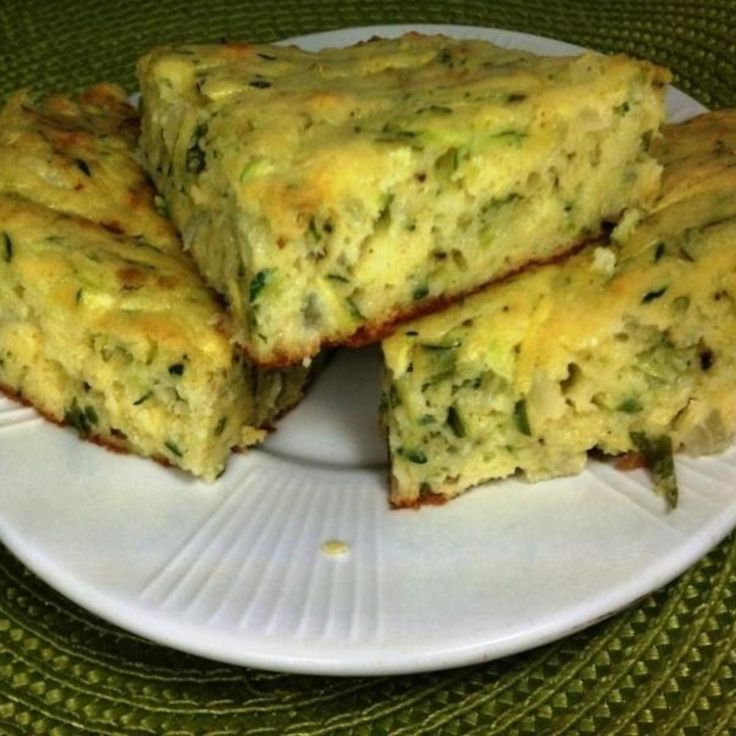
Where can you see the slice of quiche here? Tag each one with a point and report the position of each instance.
(110, 329)
(627, 347)
(330, 195)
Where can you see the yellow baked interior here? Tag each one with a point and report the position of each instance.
(625, 347)
(330, 195)
(76, 156)
(110, 329)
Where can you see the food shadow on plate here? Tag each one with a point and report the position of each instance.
(337, 423)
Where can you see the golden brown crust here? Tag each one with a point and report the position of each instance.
(415, 504)
(372, 333)
(101, 442)
(76, 155)
(630, 461)
(425, 498)
(109, 444)
(116, 115)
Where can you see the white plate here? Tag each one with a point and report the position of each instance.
(235, 571)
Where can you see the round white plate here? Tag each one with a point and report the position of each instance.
(236, 571)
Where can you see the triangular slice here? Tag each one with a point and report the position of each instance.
(76, 157)
(331, 195)
(111, 329)
(626, 348)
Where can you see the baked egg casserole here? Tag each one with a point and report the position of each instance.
(628, 347)
(330, 195)
(111, 330)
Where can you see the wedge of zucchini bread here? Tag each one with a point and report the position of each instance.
(629, 347)
(75, 156)
(330, 195)
(115, 333)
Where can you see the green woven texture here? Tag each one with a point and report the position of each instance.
(664, 666)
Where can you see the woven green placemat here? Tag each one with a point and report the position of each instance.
(665, 666)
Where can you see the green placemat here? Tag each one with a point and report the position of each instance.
(665, 666)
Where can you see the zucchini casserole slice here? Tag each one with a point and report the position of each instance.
(330, 195)
(76, 156)
(115, 333)
(627, 348)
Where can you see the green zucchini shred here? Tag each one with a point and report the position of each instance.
(173, 448)
(83, 166)
(258, 282)
(435, 109)
(434, 346)
(420, 292)
(414, 456)
(7, 248)
(496, 203)
(75, 417)
(195, 157)
(630, 405)
(313, 230)
(143, 398)
(455, 422)
(521, 419)
(354, 310)
(514, 137)
(657, 454)
(650, 296)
